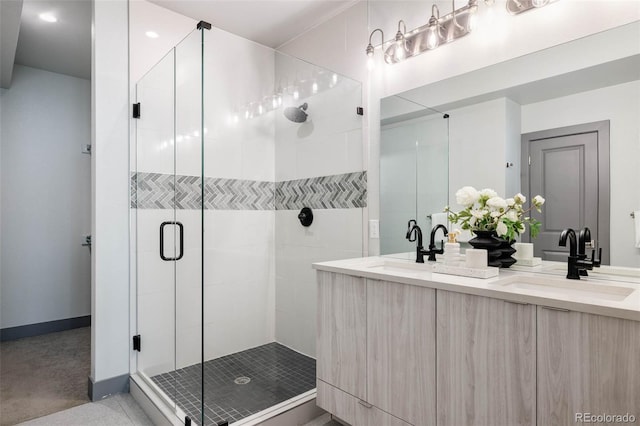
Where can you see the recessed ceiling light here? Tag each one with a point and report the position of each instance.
(48, 17)
(152, 34)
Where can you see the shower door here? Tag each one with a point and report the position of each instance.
(166, 184)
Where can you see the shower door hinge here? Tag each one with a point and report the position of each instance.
(136, 342)
(203, 24)
(359, 110)
(136, 110)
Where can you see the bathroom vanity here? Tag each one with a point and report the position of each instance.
(400, 345)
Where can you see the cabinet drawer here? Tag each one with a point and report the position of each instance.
(351, 409)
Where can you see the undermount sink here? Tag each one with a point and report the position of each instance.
(566, 288)
(402, 267)
(618, 271)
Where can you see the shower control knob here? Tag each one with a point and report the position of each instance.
(305, 216)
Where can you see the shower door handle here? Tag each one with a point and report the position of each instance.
(181, 236)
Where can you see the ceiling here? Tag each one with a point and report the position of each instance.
(65, 46)
(268, 22)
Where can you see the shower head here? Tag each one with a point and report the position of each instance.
(296, 114)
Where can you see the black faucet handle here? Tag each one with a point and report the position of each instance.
(410, 228)
(596, 261)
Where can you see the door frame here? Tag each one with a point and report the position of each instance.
(602, 129)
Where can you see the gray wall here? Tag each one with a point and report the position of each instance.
(45, 272)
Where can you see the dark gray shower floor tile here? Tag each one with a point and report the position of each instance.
(276, 374)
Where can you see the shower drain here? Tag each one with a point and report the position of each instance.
(242, 380)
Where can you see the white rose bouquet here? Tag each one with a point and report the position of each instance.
(485, 211)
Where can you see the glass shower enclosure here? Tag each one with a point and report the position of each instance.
(232, 140)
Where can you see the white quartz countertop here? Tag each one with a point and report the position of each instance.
(608, 297)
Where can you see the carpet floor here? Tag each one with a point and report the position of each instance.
(44, 374)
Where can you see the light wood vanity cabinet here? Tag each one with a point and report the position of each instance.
(372, 367)
(586, 364)
(401, 351)
(486, 361)
(342, 332)
(392, 354)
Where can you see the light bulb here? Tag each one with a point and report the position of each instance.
(334, 78)
(433, 39)
(314, 87)
(433, 32)
(274, 102)
(260, 109)
(296, 94)
(539, 3)
(246, 114)
(370, 63)
(399, 53)
(472, 23)
(48, 17)
(370, 50)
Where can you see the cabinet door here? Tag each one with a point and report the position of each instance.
(401, 351)
(341, 332)
(586, 364)
(353, 410)
(486, 360)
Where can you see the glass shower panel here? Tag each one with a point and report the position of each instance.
(155, 211)
(168, 182)
(188, 167)
(432, 166)
(414, 171)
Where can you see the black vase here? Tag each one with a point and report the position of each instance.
(506, 250)
(487, 240)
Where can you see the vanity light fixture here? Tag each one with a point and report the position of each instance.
(516, 7)
(370, 49)
(439, 30)
(399, 50)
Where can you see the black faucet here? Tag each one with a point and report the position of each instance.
(577, 261)
(583, 238)
(414, 232)
(432, 244)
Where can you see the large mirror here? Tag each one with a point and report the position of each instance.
(495, 114)
(414, 158)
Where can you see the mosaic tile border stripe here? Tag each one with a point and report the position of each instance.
(156, 191)
(325, 192)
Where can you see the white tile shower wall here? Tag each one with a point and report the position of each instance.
(154, 130)
(155, 295)
(334, 234)
(321, 146)
(329, 142)
(237, 72)
(239, 285)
